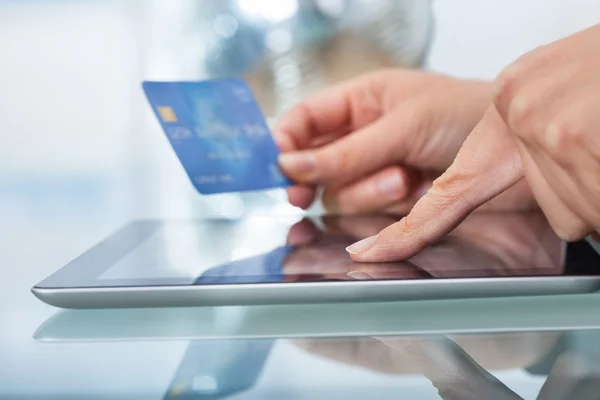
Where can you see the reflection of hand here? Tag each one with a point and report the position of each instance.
(483, 245)
(543, 125)
(377, 142)
(572, 377)
(322, 252)
(496, 244)
(453, 367)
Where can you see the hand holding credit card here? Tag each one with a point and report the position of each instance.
(219, 134)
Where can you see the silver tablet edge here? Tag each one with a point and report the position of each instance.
(312, 292)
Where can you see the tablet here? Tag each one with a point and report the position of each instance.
(271, 260)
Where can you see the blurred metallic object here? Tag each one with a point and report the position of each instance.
(401, 28)
(286, 49)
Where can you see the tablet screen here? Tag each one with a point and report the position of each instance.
(267, 250)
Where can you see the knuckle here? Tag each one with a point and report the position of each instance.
(450, 183)
(521, 110)
(562, 135)
(451, 191)
(506, 84)
(534, 57)
(538, 57)
(511, 79)
(297, 121)
(406, 229)
(298, 112)
(302, 114)
(508, 78)
(381, 76)
(365, 104)
(395, 233)
(401, 228)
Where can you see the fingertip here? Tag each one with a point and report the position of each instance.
(394, 184)
(283, 141)
(301, 196)
(362, 246)
(395, 242)
(362, 257)
(371, 193)
(300, 166)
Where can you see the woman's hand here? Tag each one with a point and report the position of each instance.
(376, 143)
(544, 125)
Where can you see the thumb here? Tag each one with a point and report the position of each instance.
(487, 164)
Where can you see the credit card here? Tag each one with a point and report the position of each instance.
(218, 133)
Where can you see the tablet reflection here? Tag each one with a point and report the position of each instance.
(484, 245)
(458, 367)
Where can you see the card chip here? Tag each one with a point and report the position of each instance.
(167, 114)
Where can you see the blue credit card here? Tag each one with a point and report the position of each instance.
(219, 134)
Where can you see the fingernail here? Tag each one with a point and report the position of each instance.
(391, 185)
(298, 163)
(362, 246)
(359, 276)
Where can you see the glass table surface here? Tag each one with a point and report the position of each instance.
(536, 348)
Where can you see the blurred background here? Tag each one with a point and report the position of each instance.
(78, 141)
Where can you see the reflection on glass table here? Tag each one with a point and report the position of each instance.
(349, 320)
(573, 370)
(553, 366)
(219, 369)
